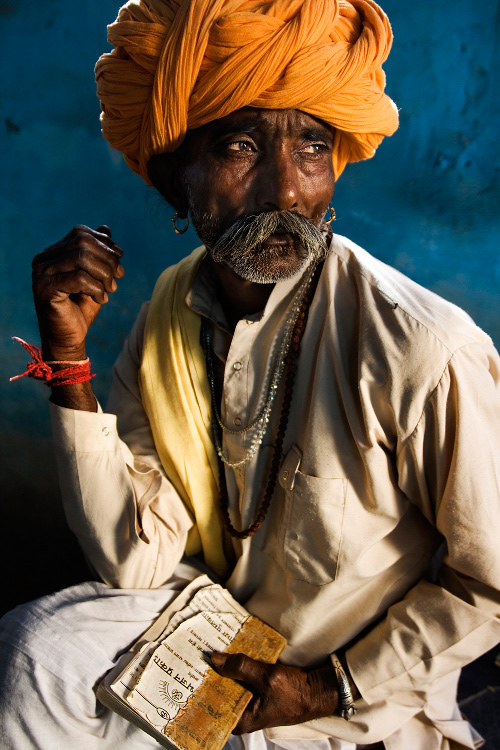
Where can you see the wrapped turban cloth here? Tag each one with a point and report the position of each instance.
(179, 64)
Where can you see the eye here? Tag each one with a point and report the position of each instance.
(315, 148)
(240, 146)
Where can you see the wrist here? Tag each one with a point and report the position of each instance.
(79, 397)
(324, 690)
(69, 379)
(59, 355)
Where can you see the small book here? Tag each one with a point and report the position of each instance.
(165, 685)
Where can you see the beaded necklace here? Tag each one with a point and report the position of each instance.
(261, 421)
(285, 362)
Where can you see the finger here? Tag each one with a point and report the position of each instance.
(57, 288)
(251, 719)
(106, 231)
(241, 667)
(78, 254)
(82, 237)
(107, 254)
(98, 267)
(102, 233)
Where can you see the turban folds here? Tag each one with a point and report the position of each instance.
(179, 64)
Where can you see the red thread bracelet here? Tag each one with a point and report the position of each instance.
(76, 372)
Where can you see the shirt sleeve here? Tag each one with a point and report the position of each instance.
(449, 467)
(129, 520)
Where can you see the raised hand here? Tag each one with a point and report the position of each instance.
(71, 280)
(282, 695)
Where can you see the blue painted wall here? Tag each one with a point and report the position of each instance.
(428, 203)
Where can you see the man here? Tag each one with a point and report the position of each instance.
(312, 426)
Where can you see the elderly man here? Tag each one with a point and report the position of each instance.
(305, 421)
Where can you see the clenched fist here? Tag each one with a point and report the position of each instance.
(71, 280)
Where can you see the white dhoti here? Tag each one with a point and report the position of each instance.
(54, 651)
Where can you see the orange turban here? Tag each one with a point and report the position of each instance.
(178, 64)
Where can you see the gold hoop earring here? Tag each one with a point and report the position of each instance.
(184, 228)
(333, 216)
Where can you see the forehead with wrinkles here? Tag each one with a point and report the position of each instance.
(180, 64)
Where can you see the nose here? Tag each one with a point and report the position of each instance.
(277, 187)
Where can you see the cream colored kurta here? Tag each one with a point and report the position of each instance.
(392, 455)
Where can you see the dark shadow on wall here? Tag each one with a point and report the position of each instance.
(41, 560)
(39, 553)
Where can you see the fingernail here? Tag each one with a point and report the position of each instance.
(218, 659)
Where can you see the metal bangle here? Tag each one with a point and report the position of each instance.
(346, 700)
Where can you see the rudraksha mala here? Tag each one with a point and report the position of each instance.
(290, 371)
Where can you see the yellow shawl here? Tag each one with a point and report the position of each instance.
(176, 397)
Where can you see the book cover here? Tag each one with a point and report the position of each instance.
(165, 685)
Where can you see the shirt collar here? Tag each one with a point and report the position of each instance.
(203, 300)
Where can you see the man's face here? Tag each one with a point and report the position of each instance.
(259, 163)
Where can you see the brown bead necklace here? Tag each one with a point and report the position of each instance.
(290, 371)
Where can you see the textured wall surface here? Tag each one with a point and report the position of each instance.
(428, 202)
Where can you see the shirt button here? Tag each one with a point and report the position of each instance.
(237, 421)
(105, 431)
(237, 366)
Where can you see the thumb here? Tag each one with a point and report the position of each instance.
(103, 229)
(240, 667)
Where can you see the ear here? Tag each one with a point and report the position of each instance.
(164, 171)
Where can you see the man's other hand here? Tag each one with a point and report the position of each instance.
(71, 280)
(282, 695)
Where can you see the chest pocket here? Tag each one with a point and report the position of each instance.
(313, 522)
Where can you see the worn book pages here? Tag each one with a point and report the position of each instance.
(165, 683)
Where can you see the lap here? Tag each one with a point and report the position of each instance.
(54, 651)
